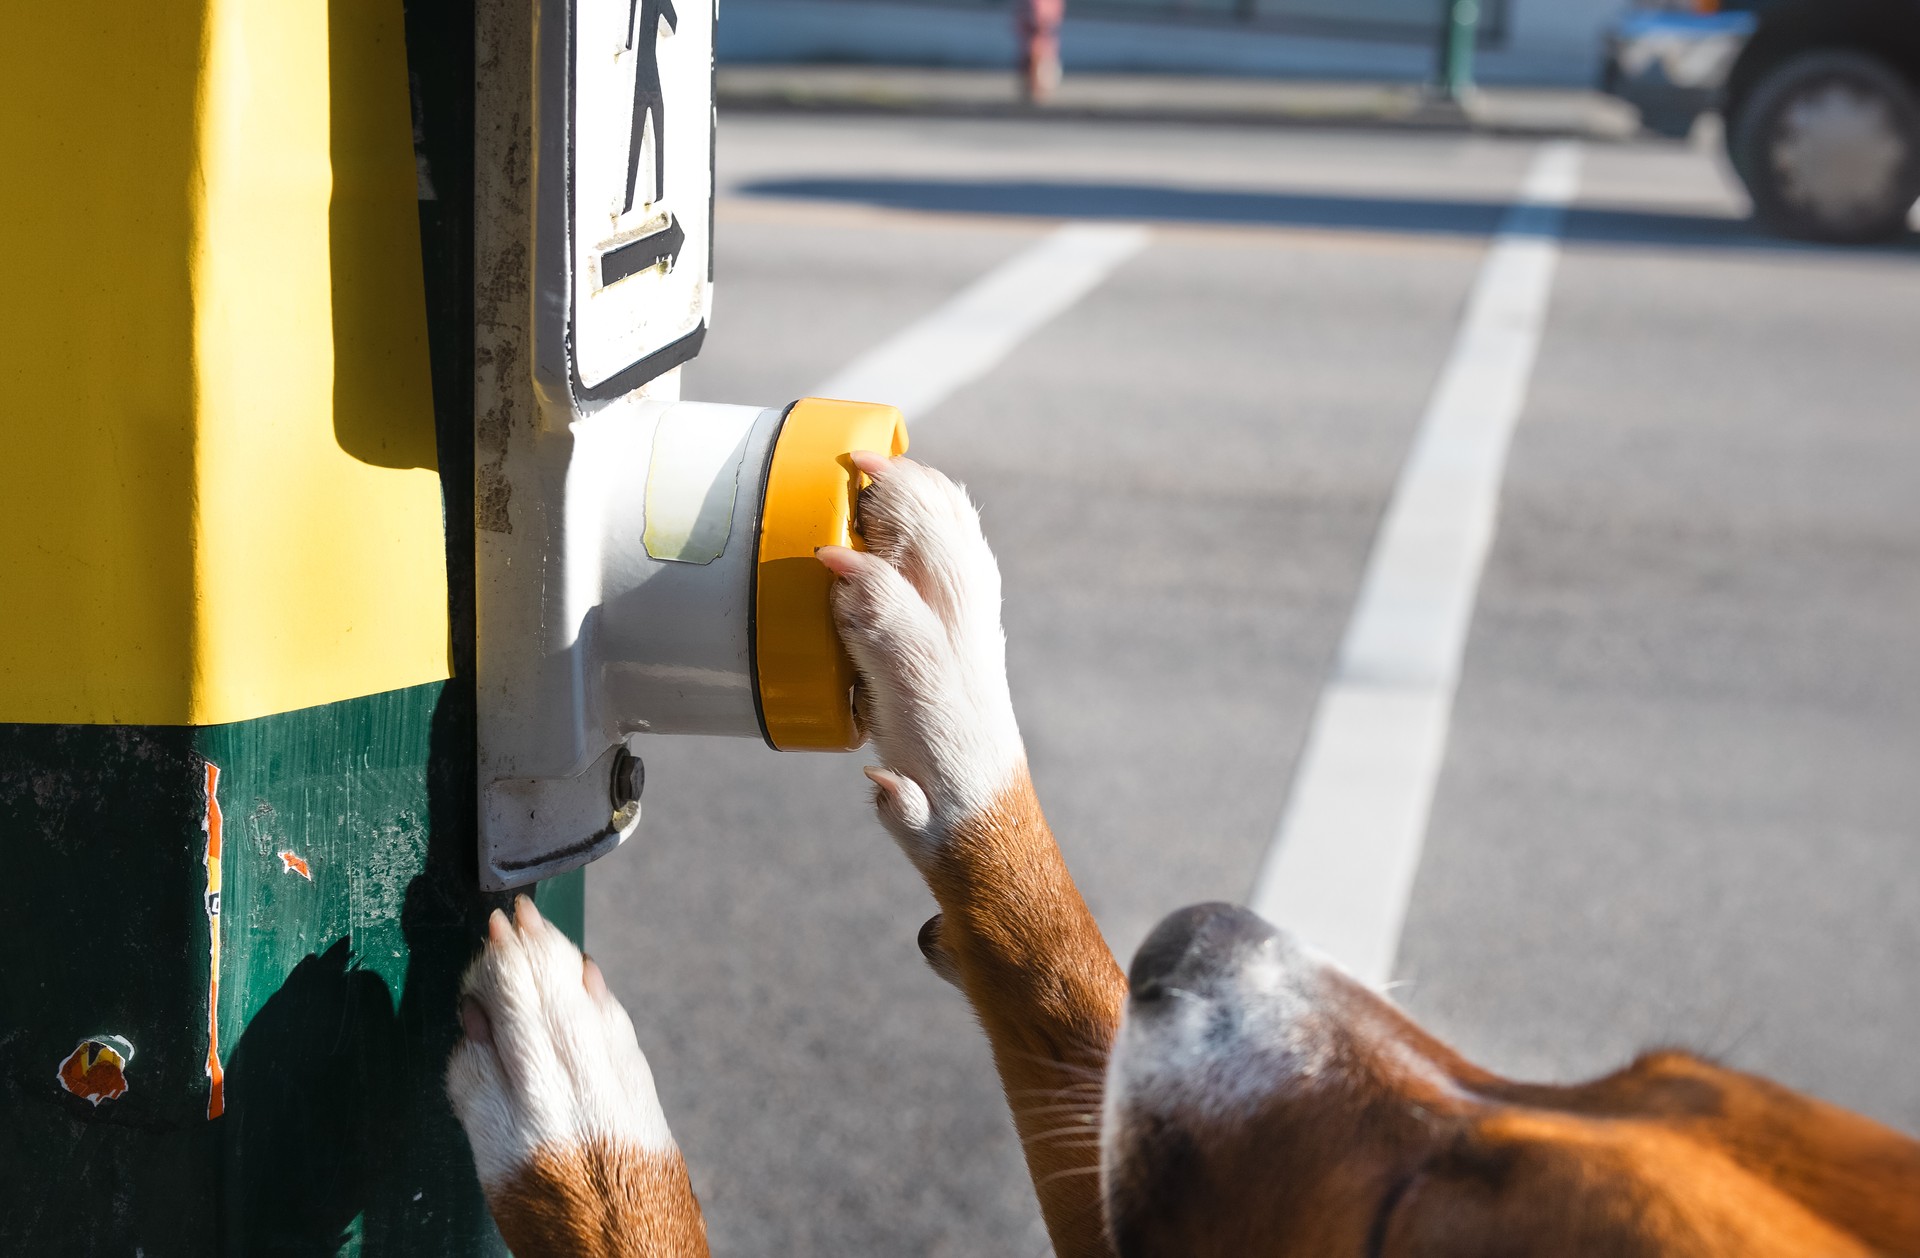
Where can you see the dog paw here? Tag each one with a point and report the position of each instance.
(558, 1101)
(919, 612)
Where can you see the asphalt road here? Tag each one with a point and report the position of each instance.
(1680, 802)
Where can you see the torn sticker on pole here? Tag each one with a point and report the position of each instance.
(96, 1069)
(216, 1078)
(292, 864)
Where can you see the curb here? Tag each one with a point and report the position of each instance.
(1167, 101)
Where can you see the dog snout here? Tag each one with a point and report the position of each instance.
(1195, 949)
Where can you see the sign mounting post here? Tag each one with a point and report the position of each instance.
(644, 564)
(612, 298)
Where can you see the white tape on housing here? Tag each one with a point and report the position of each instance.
(693, 479)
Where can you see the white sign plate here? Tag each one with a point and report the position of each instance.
(638, 171)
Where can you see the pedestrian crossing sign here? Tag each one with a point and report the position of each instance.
(626, 172)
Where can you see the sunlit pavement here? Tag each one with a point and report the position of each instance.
(1680, 802)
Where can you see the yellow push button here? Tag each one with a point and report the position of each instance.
(803, 679)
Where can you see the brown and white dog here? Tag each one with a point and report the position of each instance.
(1236, 1094)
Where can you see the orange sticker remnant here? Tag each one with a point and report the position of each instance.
(96, 1069)
(295, 865)
(216, 1077)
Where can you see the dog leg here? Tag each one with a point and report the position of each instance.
(920, 614)
(558, 1103)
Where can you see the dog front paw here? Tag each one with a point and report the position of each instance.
(919, 612)
(558, 1102)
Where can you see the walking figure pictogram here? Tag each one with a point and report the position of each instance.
(643, 35)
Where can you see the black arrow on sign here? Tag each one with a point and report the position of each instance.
(648, 251)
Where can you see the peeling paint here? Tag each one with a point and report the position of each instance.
(293, 864)
(503, 402)
(214, 824)
(380, 878)
(96, 1069)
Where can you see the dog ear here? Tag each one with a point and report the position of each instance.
(938, 957)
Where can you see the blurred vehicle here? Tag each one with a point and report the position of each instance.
(1821, 101)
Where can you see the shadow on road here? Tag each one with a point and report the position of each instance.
(1148, 203)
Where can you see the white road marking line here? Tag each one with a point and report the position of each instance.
(1340, 871)
(930, 360)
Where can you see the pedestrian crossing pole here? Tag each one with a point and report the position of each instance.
(1459, 30)
(237, 768)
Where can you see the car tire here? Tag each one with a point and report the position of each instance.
(1828, 145)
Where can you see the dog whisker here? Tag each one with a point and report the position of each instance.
(1068, 1173)
(1090, 1073)
(1058, 1137)
(1073, 1109)
(1091, 1092)
(1065, 1087)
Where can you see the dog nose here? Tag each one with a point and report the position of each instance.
(1192, 947)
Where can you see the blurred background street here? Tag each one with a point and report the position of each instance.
(1677, 802)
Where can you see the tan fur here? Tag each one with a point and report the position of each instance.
(1365, 1135)
(599, 1200)
(1284, 1110)
(558, 1103)
(1673, 1156)
(1373, 1138)
(921, 616)
(1031, 960)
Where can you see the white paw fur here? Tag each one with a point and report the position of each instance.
(920, 614)
(549, 1058)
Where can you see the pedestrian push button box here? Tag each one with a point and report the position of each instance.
(644, 565)
(682, 596)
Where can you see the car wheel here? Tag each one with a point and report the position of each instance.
(1828, 145)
